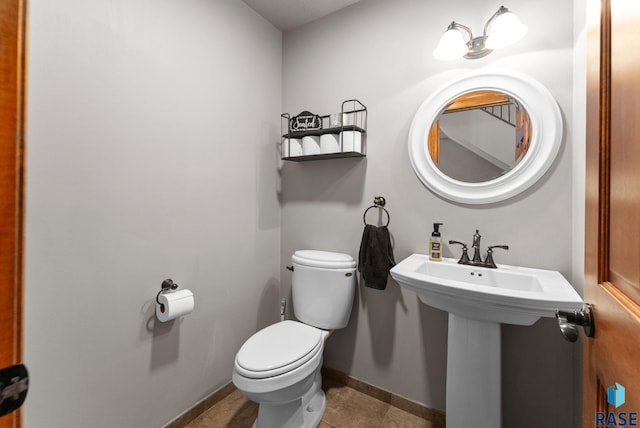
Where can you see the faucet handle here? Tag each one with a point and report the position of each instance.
(504, 247)
(464, 259)
(488, 262)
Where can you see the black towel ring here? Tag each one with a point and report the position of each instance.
(378, 202)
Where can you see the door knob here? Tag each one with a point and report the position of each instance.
(568, 322)
(14, 383)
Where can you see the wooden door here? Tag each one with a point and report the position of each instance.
(12, 91)
(612, 253)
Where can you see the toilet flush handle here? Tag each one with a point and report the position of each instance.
(290, 268)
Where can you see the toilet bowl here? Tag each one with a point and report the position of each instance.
(279, 366)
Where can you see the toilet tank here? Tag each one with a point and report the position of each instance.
(323, 285)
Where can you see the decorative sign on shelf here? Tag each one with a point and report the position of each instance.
(305, 121)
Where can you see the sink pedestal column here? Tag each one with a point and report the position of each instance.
(473, 374)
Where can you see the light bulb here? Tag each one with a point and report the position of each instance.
(505, 30)
(451, 45)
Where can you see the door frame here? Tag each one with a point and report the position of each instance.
(13, 66)
(609, 357)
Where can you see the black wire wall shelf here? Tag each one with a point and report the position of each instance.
(344, 134)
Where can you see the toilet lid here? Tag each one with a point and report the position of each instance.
(278, 349)
(323, 259)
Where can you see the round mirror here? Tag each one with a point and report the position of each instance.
(479, 136)
(485, 137)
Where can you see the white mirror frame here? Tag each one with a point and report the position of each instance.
(546, 124)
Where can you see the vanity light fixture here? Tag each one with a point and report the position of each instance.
(501, 30)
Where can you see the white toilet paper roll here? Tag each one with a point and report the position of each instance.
(174, 304)
(329, 143)
(351, 141)
(291, 147)
(310, 145)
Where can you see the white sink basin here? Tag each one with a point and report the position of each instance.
(509, 294)
(478, 301)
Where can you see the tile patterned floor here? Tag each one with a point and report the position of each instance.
(346, 408)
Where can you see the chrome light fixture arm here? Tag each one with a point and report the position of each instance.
(477, 46)
(456, 26)
(500, 11)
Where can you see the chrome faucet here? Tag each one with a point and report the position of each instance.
(476, 248)
(477, 260)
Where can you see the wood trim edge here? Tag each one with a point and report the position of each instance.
(604, 178)
(622, 299)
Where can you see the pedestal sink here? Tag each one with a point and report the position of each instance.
(478, 301)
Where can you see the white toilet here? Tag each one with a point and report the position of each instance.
(279, 366)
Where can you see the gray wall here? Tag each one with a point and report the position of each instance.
(380, 52)
(152, 130)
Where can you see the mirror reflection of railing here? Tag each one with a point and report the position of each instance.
(505, 113)
(480, 136)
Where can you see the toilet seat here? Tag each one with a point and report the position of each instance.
(323, 259)
(277, 349)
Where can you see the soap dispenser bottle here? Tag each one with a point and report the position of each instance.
(435, 244)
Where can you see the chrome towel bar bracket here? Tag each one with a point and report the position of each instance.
(378, 202)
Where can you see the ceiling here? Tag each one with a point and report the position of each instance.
(289, 14)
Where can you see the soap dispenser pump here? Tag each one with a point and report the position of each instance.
(435, 244)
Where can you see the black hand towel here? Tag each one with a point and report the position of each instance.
(376, 256)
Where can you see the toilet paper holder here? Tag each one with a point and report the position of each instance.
(166, 285)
